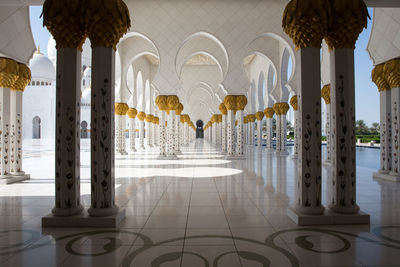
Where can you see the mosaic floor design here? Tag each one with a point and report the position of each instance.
(199, 210)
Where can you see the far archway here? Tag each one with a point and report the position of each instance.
(199, 129)
(36, 127)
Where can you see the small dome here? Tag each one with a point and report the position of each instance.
(42, 68)
(85, 98)
(86, 53)
(87, 74)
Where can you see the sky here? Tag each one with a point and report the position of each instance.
(367, 96)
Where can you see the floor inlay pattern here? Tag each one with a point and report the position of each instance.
(199, 210)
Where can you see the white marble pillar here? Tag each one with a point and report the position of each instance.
(155, 135)
(343, 121)
(16, 126)
(163, 135)
(102, 135)
(230, 133)
(395, 131)
(132, 136)
(328, 133)
(177, 145)
(120, 127)
(296, 134)
(309, 160)
(269, 143)
(214, 133)
(278, 143)
(67, 153)
(283, 134)
(385, 130)
(141, 134)
(251, 134)
(171, 136)
(259, 133)
(148, 131)
(240, 146)
(5, 132)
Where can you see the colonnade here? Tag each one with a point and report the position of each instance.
(387, 78)
(104, 24)
(14, 77)
(340, 26)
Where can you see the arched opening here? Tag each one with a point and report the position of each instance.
(84, 129)
(199, 129)
(36, 127)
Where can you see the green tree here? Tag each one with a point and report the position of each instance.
(289, 127)
(361, 128)
(375, 128)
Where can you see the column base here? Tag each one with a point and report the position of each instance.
(327, 163)
(327, 218)
(294, 157)
(172, 157)
(121, 153)
(162, 157)
(14, 178)
(282, 153)
(386, 176)
(178, 153)
(131, 152)
(83, 220)
(235, 157)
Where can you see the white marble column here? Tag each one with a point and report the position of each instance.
(132, 136)
(278, 143)
(309, 160)
(385, 130)
(171, 136)
(269, 134)
(102, 135)
(251, 133)
(120, 126)
(163, 135)
(240, 146)
(230, 133)
(149, 138)
(155, 132)
(283, 134)
(326, 95)
(294, 103)
(396, 131)
(16, 126)
(343, 114)
(67, 153)
(177, 135)
(141, 116)
(5, 132)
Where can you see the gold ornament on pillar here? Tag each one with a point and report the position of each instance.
(219, 118)
(230, 102)
(121, 108)
(236, 123)
(378, 77)
(182, 119)
(245, 120)
(105, 21)
(391, 72)
(326, 93)
(348, 19)
(179, 109)
(141, 116)
(63, 19)
(293, 102)
(281, 108)
(24, 78)
(173, 102)
(259, 115)
(161, 102)
(223, 109)
(132, 112)
(149, 118)
(241, 102)
(269, 113)
(157, 120)
(214, 118)
(306, 22)
(8, 72)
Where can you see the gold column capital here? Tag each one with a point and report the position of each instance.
(179, 109)
(230, 102)
(281, 108)
(259, 115)
(132, 112)
(63, 20)
(173, 102)
(24, 77)
(269, 113)
(105, 21)
(121, 108)
(306, 22)
(294, 102)
(223, 109)
(141, 116)
(8, 72)
(161, 102)
(326, 93)
(378, 77)
(241, 102)
(391, 71)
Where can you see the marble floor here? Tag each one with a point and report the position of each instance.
(199, 210)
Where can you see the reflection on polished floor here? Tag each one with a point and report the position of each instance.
(199, 210)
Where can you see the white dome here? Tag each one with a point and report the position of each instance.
(42, 68)
(85, 98)
(86, 53)
(87, 74)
